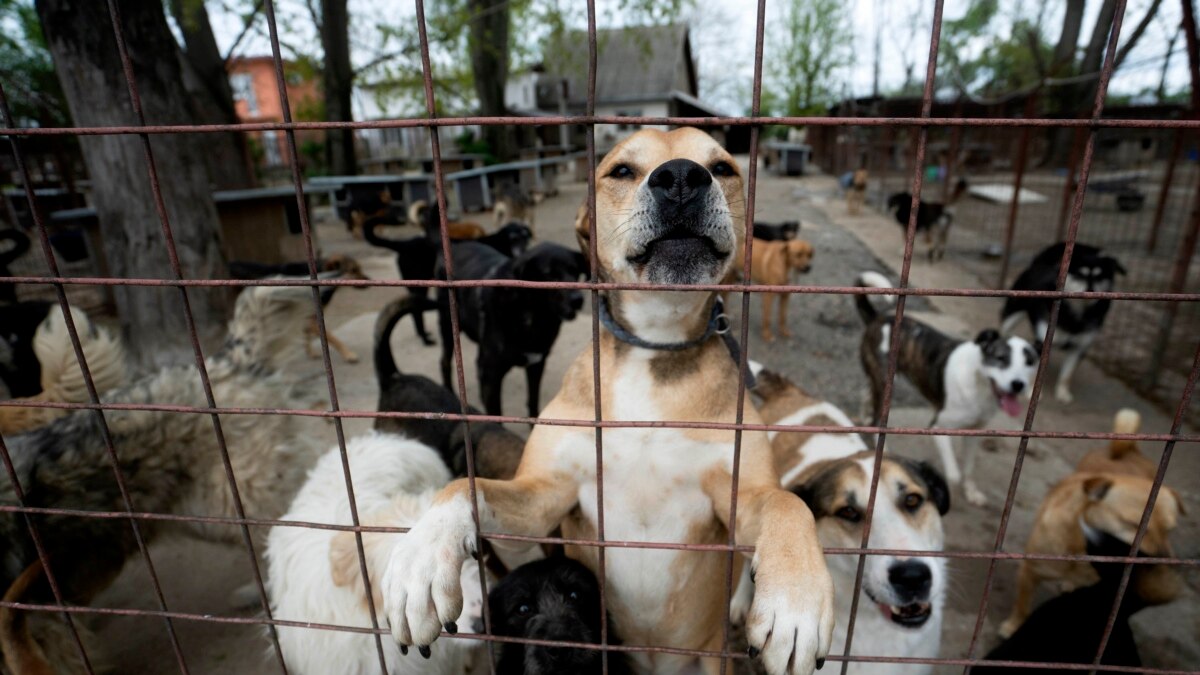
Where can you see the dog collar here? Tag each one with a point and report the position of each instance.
(718, 324)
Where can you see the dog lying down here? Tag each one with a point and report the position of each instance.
(313, 575)
(170, 461)
(900, 606)
(556, 599)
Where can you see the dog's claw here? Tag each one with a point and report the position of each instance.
(820, 663)
(451, 627)
(404, 650)
(425, 651)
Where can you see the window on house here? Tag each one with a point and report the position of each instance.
(271, 154)
(243, 90)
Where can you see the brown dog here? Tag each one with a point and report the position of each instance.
(1111, 501)
(346, 268)
(772, 264)
(421, 215)
(856, 194)
(660, 360)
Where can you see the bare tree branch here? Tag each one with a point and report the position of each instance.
(1136, 34)
(246, 28)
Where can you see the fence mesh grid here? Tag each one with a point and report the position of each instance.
(1089, 128)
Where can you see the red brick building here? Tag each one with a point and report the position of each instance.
(256, 95)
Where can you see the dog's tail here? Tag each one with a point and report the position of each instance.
(34, 642)
(767, 383)
(416, 213)
(389, 316)
(1126, 421)
(867, 311)
(62, 378)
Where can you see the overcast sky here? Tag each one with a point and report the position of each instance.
(723, 31)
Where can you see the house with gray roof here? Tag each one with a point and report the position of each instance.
(641, 71)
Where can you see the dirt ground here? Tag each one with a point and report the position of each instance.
(822, 355)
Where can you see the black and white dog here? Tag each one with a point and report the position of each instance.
(1079, 320)
(785, 231)
(966, 381)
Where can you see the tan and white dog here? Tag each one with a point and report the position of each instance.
(669, 210)
(900, 608)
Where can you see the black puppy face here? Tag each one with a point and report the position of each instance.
(517, 236)
(552, 262)
(553, 599)
(1090, 271)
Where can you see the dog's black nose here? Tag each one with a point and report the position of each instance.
(679, 181)
(1017, 386)
(912, 579)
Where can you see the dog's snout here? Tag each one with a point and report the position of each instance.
(679, 181)
(1017, 386)
(912, 579)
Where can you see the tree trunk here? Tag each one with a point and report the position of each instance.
(338, 86)
(90, 71)
(229, 162)
(1068, 39)
(488, 43)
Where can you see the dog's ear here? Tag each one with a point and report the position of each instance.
(939, 492)
(987, 336)
(1097, 487)
(583, 228)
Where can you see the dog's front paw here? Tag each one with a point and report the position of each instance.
(790, 625)
(1063, 394)
(422, 591)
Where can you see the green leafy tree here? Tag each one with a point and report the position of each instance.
(29, 78)
(809, 45)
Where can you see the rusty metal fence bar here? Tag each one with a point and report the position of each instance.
(1074, 194)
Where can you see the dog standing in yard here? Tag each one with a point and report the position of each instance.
(933, 218)
(661, 359)
(966, 381)
(1079, 320)
(773, 264)
(1107, 492)
(514, 327)
(856, 192)
(900, 605)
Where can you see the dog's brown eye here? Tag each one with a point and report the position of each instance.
(913, 501)
(621, 172)
(722, 169)
(849, 514)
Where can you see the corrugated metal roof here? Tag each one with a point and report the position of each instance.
(634, 63)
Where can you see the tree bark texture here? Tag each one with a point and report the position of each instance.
(338, 86)
(488, 41)
(89, 68)
(207, 82)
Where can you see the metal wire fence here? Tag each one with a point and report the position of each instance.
(1091, 129)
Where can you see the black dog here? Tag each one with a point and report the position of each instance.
(554, 599)
(1079, 321)
(785, 231)
(19, 367)
(1067, 629)
(933, 218)
(20, 244)
(497, 450)
(417, 257)
(512, 326)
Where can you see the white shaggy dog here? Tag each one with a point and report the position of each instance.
(313, 575)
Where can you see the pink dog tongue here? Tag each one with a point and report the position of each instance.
(1010, 404)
